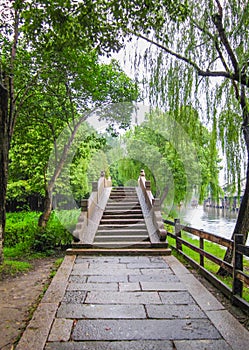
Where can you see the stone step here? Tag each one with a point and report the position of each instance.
(125, 199)
(124, 221)
(120, 226)
(123, 216)
(123, 194)
(121, 188)
(131, 251)
(122, 232)
(123, 213)
(134, 244)
(126, 193)
(115, 202)
(122, 205)
(118, 211)
(122, 245)
(121, 238)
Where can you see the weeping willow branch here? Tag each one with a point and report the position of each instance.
(217, 20)
(214, 39)
(219, 8)
(221, 56)
(203, 30)
(240, 78)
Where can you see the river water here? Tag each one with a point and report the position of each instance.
(211, 220)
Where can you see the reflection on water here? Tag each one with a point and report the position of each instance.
(212, 220)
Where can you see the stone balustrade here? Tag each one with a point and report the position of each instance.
(153, 205)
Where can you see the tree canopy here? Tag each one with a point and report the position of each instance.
(51, 49)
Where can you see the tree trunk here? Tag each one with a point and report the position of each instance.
(43, 219)
(242, 223)
(4, 152)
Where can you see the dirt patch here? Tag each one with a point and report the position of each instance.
(18, 296)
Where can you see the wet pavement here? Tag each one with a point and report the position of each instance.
(130, 302)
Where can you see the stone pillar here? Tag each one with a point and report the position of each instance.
(84, 205)
(148, 185)
(94, 186)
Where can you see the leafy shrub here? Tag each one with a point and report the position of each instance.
(20, 228)
(22, 232)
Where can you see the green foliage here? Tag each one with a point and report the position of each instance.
(62, 95)
(23, 236)
(54, 235)
(197, 68)
(95, 23)
(12, 268)
(20, 228)
(175, 151)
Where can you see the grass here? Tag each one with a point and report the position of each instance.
(13, 268)
(56, 266)
(213, 249)
(25, 241)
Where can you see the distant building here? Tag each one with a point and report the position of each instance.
(230, 201)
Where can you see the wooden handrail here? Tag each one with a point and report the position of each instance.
(235, 269)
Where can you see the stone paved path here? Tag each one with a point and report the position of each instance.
(130, 303)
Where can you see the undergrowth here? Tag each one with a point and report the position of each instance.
(24, 241)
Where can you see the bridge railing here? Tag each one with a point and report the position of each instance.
(88, 206)
(239, 277)
(153, 205)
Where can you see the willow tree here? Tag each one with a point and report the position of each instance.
(204, 60)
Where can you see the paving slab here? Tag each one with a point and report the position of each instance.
(130, 302)
(74, 297)
(174, 311)
(148, 265)
(154, 278)
(107, 278)
(163, 286)
(77, 279)
(158, 271)
(86, 311)
(110, 270)
(61, 330)
(176, 297)
(93, 286)
(135, 259)
(101, 264)
(129, 287)
(123, 298)
(144, 330)
(203, 345)
(97, 259)
(114, 345)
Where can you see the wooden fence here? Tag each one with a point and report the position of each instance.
(239, 278)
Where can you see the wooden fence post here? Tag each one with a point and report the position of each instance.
(201, 247)
(237, 265)
(178, 233)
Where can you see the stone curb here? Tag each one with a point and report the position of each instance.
(36, 333)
